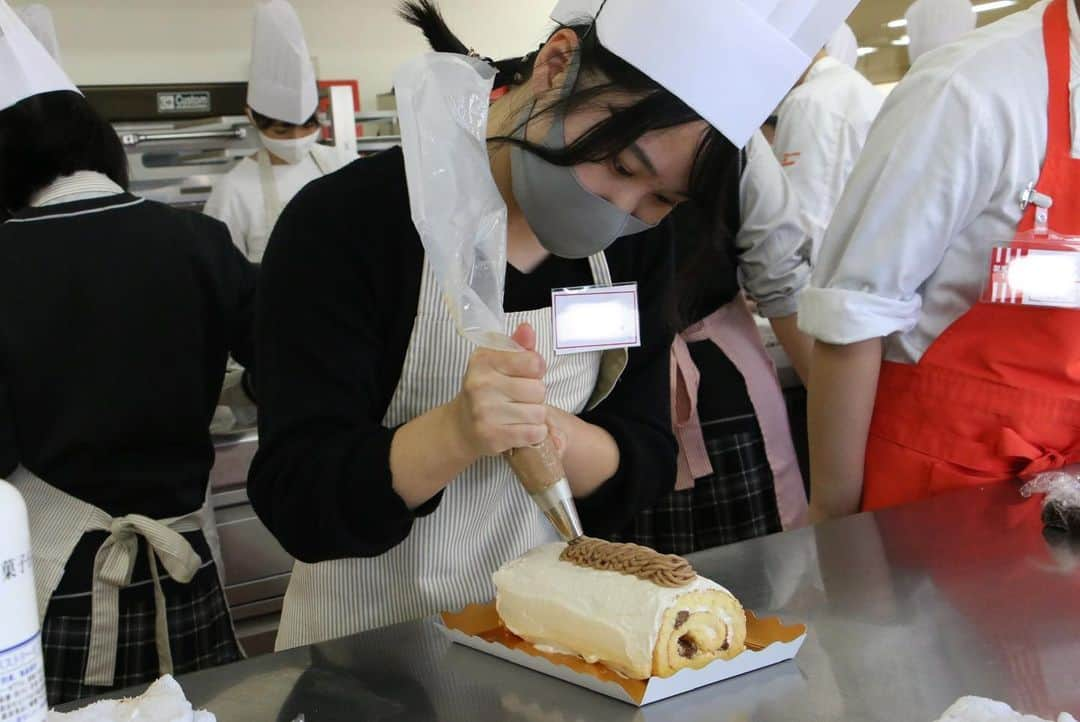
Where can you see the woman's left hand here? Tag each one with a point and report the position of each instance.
(589, 454)
(558, 429)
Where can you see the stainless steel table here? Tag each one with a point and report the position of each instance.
(908, 609)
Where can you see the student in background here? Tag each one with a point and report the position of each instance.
(282, 100)
(821, 128)
(920, 383)
(738, 473)
(118, 315)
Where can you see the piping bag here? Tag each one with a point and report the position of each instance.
(460, 215)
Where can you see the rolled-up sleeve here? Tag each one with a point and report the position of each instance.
(928, 168)
(773, 242)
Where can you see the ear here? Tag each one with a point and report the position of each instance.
(553, 62)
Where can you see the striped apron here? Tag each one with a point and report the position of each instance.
(485, 517)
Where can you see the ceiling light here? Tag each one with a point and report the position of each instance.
(996, 5)
(906, 40)
(901, 23)
(867, 51)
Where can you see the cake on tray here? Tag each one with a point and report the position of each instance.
(632, 609)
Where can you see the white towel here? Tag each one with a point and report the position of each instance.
(163, 702)
(980, 709)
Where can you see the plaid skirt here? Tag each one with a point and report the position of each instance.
(200, 634)
(738, 501)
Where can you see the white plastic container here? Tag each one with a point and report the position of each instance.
(22, 672)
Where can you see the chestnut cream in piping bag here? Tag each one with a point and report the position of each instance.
(540, 471)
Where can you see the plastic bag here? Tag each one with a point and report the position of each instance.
(457, 208)
(1061, 507)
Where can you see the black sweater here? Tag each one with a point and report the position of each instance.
(116, 319)
(338, 295)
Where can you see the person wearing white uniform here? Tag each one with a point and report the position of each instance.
(382, 429)
(918, 386)
(282, 100)
(821, 127)
(933, 23)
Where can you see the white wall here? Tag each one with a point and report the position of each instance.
(147, 41)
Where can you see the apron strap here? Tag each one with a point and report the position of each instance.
(733, 331)
(693, 461)
(271, 198)
(613, 361)
(59, 520)
(321, 163)
(1057, 38)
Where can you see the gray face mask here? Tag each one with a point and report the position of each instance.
(569, 220)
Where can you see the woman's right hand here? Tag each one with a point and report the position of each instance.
(501, 402)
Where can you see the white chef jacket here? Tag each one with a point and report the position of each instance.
(938, 183)
(237, 198)
(772, 241)
(821, 128)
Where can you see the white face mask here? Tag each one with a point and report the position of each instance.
(291, 151)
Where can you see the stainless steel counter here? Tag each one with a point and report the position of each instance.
(908, 610)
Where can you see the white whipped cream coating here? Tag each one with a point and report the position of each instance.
(598, 615)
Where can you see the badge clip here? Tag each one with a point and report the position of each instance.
(1042, 203)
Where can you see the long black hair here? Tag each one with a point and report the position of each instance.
(50, 135)
(715, 173)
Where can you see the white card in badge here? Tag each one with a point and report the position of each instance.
(1035, 274)
(595, 318)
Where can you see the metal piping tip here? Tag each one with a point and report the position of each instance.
(557, 503)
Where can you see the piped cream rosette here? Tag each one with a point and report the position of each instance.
(638, 612)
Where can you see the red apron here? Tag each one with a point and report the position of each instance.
(997, 396)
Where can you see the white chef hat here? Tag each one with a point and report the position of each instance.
(26, 68)
(933, 23)
(731, 61)
(281, 84)
(843, 46)
(39, 20)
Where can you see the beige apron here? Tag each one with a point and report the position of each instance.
(271, 197)
(58, 521)
(485, 517)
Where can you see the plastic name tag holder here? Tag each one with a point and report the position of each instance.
(595, 318)
(1035, 269)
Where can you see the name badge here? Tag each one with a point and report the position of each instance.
(595, 318)
(1028, 276)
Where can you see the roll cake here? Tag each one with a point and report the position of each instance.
(641, 613)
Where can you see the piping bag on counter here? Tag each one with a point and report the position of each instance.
(460, 215)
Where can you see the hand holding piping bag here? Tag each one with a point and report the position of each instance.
(501, 402)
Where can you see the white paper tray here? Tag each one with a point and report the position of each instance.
(769, 634)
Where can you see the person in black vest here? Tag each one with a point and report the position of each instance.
(118, 316)
(381, 427)
(738, 471)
